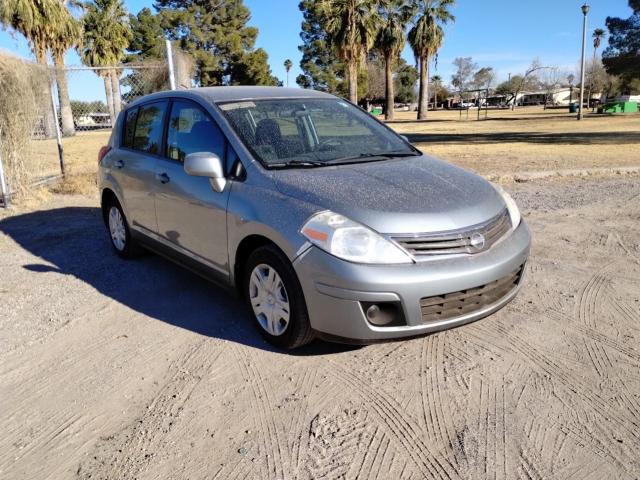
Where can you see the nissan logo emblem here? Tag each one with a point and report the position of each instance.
(477, 241)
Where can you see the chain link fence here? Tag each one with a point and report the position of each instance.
(53, 122)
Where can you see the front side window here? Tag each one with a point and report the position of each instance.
(191, 130)
(311, 131)
(149, 126)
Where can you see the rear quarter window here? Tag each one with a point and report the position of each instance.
(129, 127)
(149, 128)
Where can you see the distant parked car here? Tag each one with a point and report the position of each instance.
(326, 221)
(92, 121)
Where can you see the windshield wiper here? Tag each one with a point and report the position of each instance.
(297, 163)
(371, 157)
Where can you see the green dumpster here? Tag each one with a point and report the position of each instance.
(376, 111)
(621, 107)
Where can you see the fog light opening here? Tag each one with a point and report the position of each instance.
(383, 314)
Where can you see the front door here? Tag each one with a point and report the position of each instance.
(191, 215)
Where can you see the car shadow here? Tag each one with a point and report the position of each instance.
(73, 241)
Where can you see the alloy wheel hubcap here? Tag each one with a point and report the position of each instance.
(269, 299)
(117, 229)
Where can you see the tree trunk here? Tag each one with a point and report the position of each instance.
(68, 128)
(48, 127)
(390, 95)
(423, 101)
(115, 88)
(353, 81)
(435, 97)
(109, 96)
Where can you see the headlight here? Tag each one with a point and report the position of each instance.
(350, 240)
(514, 212)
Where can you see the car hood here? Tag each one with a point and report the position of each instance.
(407, 195)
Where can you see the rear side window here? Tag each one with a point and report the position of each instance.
(129, 127)
(149, 127)
(191, 130)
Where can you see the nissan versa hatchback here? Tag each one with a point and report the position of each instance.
(326, 222)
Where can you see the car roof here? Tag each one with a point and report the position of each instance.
(234, 94)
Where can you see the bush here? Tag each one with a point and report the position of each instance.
(24, 102)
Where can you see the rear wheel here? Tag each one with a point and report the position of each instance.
(274, 294)
(121, 240)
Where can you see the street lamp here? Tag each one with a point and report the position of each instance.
(585, 11)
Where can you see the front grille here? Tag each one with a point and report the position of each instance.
(460, 303)
(467, 241)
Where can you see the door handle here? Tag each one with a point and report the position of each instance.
(118, 164)
(162, 177)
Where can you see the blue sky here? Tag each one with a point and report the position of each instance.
(504, 34)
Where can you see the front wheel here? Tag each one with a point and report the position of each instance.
(274, 294)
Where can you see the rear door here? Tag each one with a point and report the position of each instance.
(191, 215)
(135, 166)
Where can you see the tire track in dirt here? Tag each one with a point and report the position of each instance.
(588, 299)
(123, 455)
(278, 460)
(401, 427)
(626, 426)
(435, 412)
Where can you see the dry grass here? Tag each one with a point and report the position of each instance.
(529, 139)
(24, 102)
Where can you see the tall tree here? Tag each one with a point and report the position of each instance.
(67, 36)
(390, 40)
(426, 38)
(598, 36)
(405, 80)
(148, 39)
(462, 79)
(351, 26)
(321, 70)
(217, 35)
(436, 81)
(107, 34)
(622, 56)
(288, 64)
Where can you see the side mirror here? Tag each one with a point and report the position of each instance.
(206, 164)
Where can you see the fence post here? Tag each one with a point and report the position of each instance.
(58, 135)
(4, 193)
(172, 76)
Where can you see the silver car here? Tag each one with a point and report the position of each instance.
(327, 222)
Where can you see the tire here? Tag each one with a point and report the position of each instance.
(120, 235)
(297, 331)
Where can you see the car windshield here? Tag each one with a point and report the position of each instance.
(311, 132)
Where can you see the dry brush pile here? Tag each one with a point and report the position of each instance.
(24, 102)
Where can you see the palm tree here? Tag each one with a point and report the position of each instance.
(436, 80)
(66, 37)
(350, 25)
(107, 34)
(426, 38)
(287, 66)
(598, 36)
(390, 41)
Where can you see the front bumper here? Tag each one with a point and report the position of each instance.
(334, 288)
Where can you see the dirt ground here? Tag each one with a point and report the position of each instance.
(120, 370)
